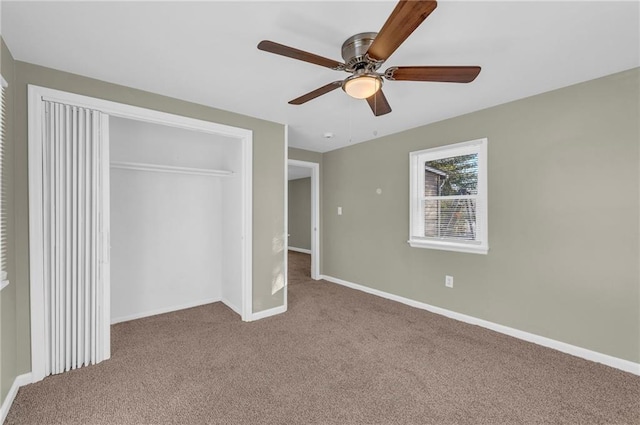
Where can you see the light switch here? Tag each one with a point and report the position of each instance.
(339, 210)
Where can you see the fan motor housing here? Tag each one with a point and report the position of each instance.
(354, 52)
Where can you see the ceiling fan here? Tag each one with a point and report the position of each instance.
(365, 53)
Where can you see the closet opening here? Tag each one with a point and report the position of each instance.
(175, 228)
(132, 212)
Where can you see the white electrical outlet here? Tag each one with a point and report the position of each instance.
(339, 210)
(448, 281)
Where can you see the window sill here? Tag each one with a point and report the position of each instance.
(449, 246)
(3, 284)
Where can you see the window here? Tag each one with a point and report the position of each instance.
(448, 199)
(3, 192)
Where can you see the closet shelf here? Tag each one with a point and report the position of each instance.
(137, 166)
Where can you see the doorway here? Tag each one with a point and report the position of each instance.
(304, 228)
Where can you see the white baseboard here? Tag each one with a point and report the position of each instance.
(20, 381)
(626, 365)
(302, 250)
(164, 310)
(267, 313)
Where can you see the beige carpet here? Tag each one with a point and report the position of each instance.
(337, 356)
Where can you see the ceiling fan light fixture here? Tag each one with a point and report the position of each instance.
(365, 52)
(362, 86)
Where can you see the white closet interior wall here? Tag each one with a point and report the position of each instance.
(175, 237)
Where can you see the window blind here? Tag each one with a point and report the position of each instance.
(450, 197)
(3, 183)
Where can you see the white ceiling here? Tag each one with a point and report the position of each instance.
(205, 52)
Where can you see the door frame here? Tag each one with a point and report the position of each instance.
(315, 213)
(36, 95)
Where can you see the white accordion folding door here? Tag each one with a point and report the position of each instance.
(74, 224)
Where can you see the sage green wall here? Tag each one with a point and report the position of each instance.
(8, 337)
(563, 217)
(299, 213)
(268, 178)
(304, 155)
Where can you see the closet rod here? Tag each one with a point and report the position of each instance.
(137, 166)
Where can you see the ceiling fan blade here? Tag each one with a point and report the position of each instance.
(405, 18)
(316, 93)
(281, 49)
(379, 104)
(444, 74)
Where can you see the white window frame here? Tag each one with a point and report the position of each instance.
(416, 195)
(4, 281)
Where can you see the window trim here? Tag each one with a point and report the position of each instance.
(416, 176)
